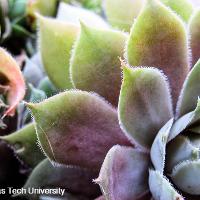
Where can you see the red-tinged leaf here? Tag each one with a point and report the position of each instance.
(11, 76)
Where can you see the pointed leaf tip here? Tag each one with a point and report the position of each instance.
(121, 162)
(142, 91)
(73, 128)
(158, 38)
(24, 142)
(94, 71)
(61, 35)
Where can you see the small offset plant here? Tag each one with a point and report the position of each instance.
(127, 113)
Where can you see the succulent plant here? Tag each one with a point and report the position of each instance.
(127, 112)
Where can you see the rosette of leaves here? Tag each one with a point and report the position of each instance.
(129, 139)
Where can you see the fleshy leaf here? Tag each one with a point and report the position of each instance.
(43, 7)
(24, 142)
(124, 174)
(185, 121)
(186, 176)
(158, 149)
(158, 38)
(194, 29)
(11, 77)
(72, 179)
(74, 14)
(178, 150)
(183, 8)
(141, 112)
(161, 188)
(56, 59)
(190, 92)
(77, 128)
(121, 13)
(95, 62)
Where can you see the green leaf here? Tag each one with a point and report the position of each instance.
(124, 174)
(194, 31)
(77, 128)
(71, 178)
(95, 62)
(141, 112)
(158, 38)
(186, 176)
(190, 92)
(183, 8)
(61, 36)
(158, 149)
(121, 13)
(161, 188)
(24, 142)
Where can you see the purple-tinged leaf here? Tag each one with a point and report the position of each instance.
(158, 38)
(124, 174)
(73, 179)
(144, 104)
(77, 128)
